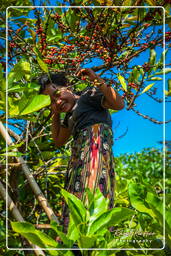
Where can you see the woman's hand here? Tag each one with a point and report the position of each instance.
(88, 72)
(112, 100)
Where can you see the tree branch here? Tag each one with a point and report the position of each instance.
(119, 62)
(150, 118)
(36, 190)
(17, 215)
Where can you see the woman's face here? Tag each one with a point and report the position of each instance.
(63, 98)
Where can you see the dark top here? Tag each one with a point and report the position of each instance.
(87, 111)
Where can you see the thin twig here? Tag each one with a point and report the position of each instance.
(36, 190)
(150, 118)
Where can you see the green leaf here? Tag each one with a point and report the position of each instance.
(112, 111)
(14, 110)
(1, 72)
(17, 145)
(63, 236)
(74, 202)
(66, 253)
(35, 104)
(163, 56)
(135, 74)
(71, 18)
(26, 68)
(16, 88)
(56, 37)
(47, 240)
(73, 232)
(75, 213)
(37, 52)
(30, 88)
(152, 59)
(33, 34)
(148, 87)
(127, 3)
(22, 227)
(167, 93)
(151, 2)
(12, 76)
(42, 64)
(2, 89)
(141, 14)
(122, 81)
(137, 196)
(155, 79)
(102, 221)
(168, 18)
(14, 154)
(169, 84)
(98, 205)
(166, 71)
(35, 236)
(109, 218)
(156, 205)
(86, 241)
(21, 69)
(168, 220)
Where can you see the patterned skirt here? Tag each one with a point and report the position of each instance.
(91, 163)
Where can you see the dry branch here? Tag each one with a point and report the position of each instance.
(150, 118)
(14, 135)
(16, 214)
(43, 226)
(36, 190)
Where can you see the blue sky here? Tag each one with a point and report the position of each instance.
(142, 133)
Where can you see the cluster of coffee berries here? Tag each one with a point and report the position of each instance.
(168, 36)
(146, 25)
(42, 36)
(97, 44)
(12, 45)
(48, 61)
(39, 30)
(133, 85)
(62, 56)
(144, 45)
(57, 18)
(128, 96)
(50, 56)
(66, 48)
(146, 66)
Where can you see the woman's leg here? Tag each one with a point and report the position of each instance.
(91, 164)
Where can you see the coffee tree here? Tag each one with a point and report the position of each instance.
(124, 42)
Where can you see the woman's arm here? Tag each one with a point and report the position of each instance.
(112, 99)
(60, 134)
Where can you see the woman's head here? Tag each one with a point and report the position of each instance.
(58, 79)
(55, 85)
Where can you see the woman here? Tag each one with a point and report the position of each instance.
(89, 122)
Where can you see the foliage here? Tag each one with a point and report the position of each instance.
(142, 202)
(46, 39)
(88, 225)
(140, 184)
(125, 47)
